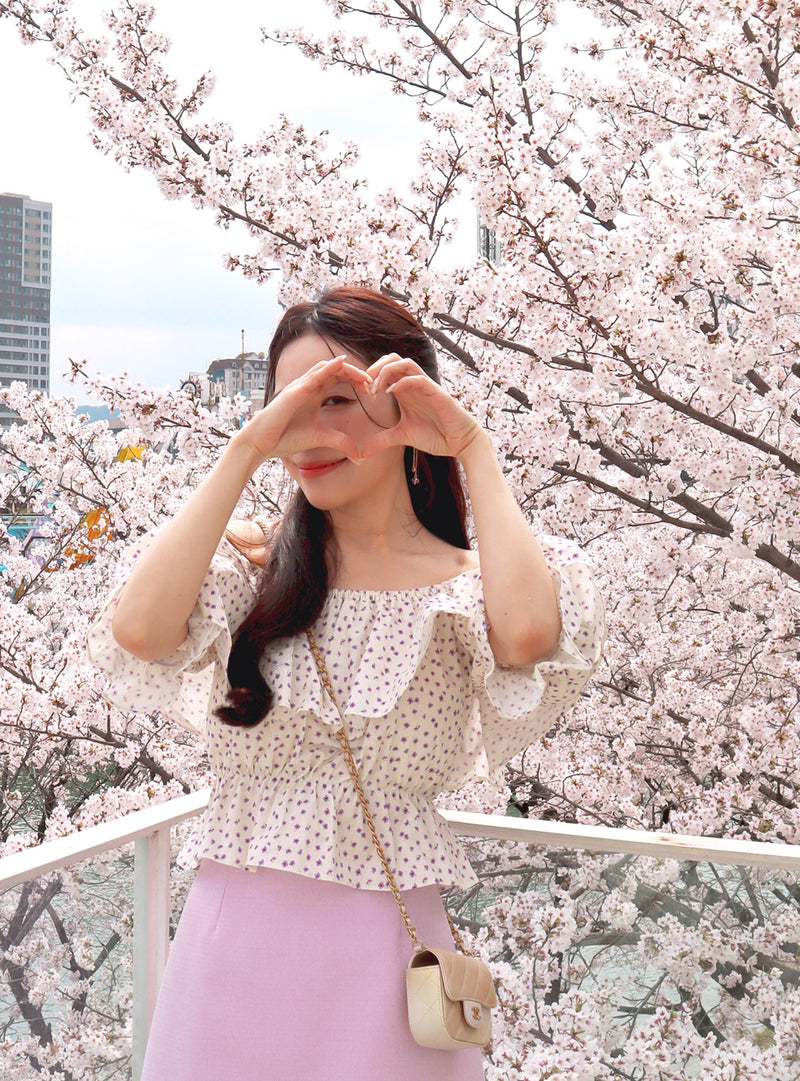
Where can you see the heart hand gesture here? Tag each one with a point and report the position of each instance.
(292, 422)
(429, 419)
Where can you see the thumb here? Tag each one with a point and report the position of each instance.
(342, 442)
(381, 441)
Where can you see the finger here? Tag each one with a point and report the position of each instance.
(329, 437)
(359, 377)
(388, 358)
(392, 370)
(347, 374)
(408, 386)
(331, 371)
(325, 375)
(392, 437)
(387, 363)
(318, 371)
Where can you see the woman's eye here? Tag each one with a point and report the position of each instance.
(337, 399)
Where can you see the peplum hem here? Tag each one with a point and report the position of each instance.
(288, 825)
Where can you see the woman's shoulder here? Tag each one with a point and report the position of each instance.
(468, 560)
(451, 561)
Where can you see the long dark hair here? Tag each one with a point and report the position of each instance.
(294, 583)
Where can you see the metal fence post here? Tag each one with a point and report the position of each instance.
(150, 933)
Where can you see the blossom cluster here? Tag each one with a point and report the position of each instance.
(634, 353)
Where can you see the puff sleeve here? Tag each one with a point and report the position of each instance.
(519, 705)
(188, 683)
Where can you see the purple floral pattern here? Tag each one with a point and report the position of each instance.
(426, 706)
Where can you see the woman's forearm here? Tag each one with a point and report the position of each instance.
(151, 617)
(518, 590)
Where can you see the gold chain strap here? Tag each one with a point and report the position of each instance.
(348, 754)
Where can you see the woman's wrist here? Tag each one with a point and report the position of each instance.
(478, 449)
(242, 451)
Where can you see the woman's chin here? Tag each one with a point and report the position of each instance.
(319, 502)
(331, 500)
(325, 497)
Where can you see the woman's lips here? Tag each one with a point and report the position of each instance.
(316, 469)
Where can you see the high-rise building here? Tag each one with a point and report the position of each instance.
(25, 270)
(489, 247)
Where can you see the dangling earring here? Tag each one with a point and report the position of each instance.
(414, 467)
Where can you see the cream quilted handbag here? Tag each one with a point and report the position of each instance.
(450, 999)
(450, 995)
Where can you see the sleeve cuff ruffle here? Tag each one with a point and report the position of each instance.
(188, 682)
(519, 705)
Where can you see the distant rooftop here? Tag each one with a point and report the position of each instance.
(255, 360)
(14, 195)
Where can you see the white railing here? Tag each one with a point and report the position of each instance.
(150, 830)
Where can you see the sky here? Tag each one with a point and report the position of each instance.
(139, 284)
(138, 281)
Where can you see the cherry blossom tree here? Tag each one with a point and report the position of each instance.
(68, 759)
(634, 354)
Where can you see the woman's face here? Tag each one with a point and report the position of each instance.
(327, 478)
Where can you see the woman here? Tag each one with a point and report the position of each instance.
(289, 960)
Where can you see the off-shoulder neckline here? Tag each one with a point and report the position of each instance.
(408, 589)
(372, 592)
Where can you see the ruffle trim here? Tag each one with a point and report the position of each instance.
(519, 705)
(189, 682)
(386, 669)
(505, 693)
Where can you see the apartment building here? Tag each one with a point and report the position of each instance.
(26, 241)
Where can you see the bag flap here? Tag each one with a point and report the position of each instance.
(463, 977)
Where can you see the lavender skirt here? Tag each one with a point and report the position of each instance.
(274, 976)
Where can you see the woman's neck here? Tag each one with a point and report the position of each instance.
(380, 526)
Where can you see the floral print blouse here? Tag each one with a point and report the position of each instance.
(427, 709)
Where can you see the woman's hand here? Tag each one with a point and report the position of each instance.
(430, 419)
(291, 422)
